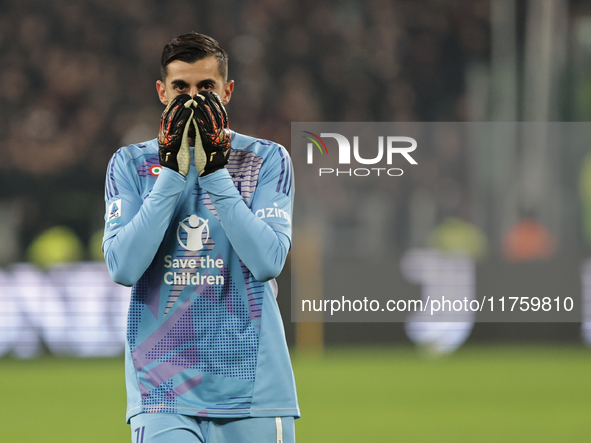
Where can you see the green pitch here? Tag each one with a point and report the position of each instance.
(479, 394)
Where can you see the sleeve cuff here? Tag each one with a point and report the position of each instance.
(218, 182)
(169, 182)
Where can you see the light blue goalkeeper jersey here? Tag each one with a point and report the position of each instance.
(204, 332)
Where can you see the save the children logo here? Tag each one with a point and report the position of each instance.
(387, 147)
(193, 233)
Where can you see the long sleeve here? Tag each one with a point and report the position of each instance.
(134, 234)
(260, 230)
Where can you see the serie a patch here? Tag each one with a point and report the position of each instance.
(114, 212)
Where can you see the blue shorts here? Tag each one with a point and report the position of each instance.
(177, 428)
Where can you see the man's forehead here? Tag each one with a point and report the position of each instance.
(196, 71)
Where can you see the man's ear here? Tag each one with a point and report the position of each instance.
(161, 88)
(228, 88)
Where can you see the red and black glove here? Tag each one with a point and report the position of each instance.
(173, 137)
(214, 133)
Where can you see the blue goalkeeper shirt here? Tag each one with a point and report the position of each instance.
(204, 332)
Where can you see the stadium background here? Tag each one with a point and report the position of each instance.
(78, 82)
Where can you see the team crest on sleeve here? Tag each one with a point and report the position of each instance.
(114, 212)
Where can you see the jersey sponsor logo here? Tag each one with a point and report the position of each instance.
(193, 233)
(182, 275)
(155, 170)
(114, 212)
(272, 213)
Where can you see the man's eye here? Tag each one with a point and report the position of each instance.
(179, 87)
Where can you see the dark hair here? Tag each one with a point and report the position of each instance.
(193, 47)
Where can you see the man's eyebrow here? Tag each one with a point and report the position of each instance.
(206, 82)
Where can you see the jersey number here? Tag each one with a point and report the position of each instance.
(140, 434)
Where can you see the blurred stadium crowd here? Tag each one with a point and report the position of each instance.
(79, 80)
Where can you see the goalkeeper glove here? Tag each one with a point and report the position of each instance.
(212, 141)
(173, 137)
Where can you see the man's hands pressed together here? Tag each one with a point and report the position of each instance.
(206, 113)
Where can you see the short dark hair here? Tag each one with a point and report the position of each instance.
(193, 47)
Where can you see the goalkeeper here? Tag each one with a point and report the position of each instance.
(198, 221)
